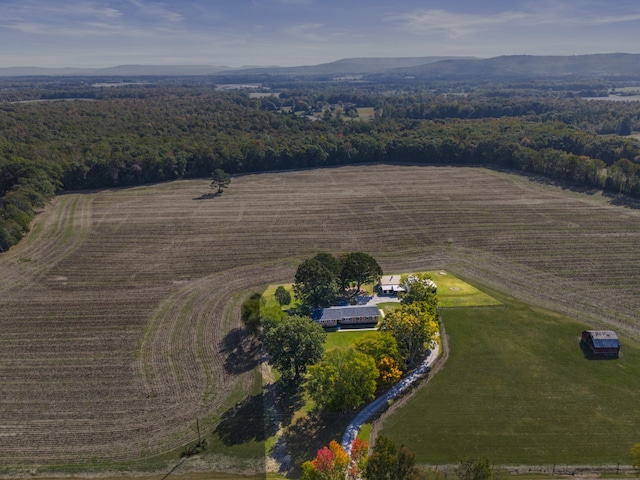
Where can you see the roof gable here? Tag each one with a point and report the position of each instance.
(338, 313)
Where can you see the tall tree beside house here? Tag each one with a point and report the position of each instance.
(293, 344)
(316, 283)
(330, 262)
(413, 326)
(359, 268)
(220, 179)
(419, 287)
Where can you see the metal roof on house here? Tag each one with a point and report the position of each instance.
(604, 338)
(338, 313)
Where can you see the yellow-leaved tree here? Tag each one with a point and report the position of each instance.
(413, 326)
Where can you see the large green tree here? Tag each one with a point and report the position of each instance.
(474, 468)
(343, 380)
(379, 345)
(388, 462)
(220, 179)
(419, 287)
(413, 326)
(293, 344)
(316, 283)
(359, 268)
(250, 312)
(282, 296)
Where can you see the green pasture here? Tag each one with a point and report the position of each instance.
(518, 389)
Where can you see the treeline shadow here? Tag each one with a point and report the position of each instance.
(624, 201)
(260, 416)
(245, 422)
(311, 433)
(241, 350)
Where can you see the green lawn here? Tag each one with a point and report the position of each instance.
(453, 292)
(270, 299)
(518, 389)
(344, 339)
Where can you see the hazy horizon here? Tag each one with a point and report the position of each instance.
(105, 33)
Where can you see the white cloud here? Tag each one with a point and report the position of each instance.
(456, 24)
(157, 10)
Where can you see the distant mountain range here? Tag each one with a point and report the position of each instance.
(596, 65)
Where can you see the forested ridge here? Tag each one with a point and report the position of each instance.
(139, 134)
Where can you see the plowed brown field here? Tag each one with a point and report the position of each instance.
(114, 310)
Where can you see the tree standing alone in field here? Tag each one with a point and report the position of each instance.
(220, 179)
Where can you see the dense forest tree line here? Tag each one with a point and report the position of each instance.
(141, 134)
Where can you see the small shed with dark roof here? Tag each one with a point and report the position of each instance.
(346, 316)
(602, 342)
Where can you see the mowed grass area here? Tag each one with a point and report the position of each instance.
(518, 389)
(344, 338)
(454, 292)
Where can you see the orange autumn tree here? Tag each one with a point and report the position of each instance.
(359, 457)
(333, 463)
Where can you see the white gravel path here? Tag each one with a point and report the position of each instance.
(379, 403)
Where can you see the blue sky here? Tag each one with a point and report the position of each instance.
(97, 33)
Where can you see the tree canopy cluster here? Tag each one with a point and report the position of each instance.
(388, 461)
(158, 132)
(320, 280)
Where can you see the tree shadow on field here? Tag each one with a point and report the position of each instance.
(311, 433)
(242, 351)
(624, 201)
(245, 422)
(286, 398)
(207, 196)
(260, 416)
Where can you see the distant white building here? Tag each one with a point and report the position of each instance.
(390, 284)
